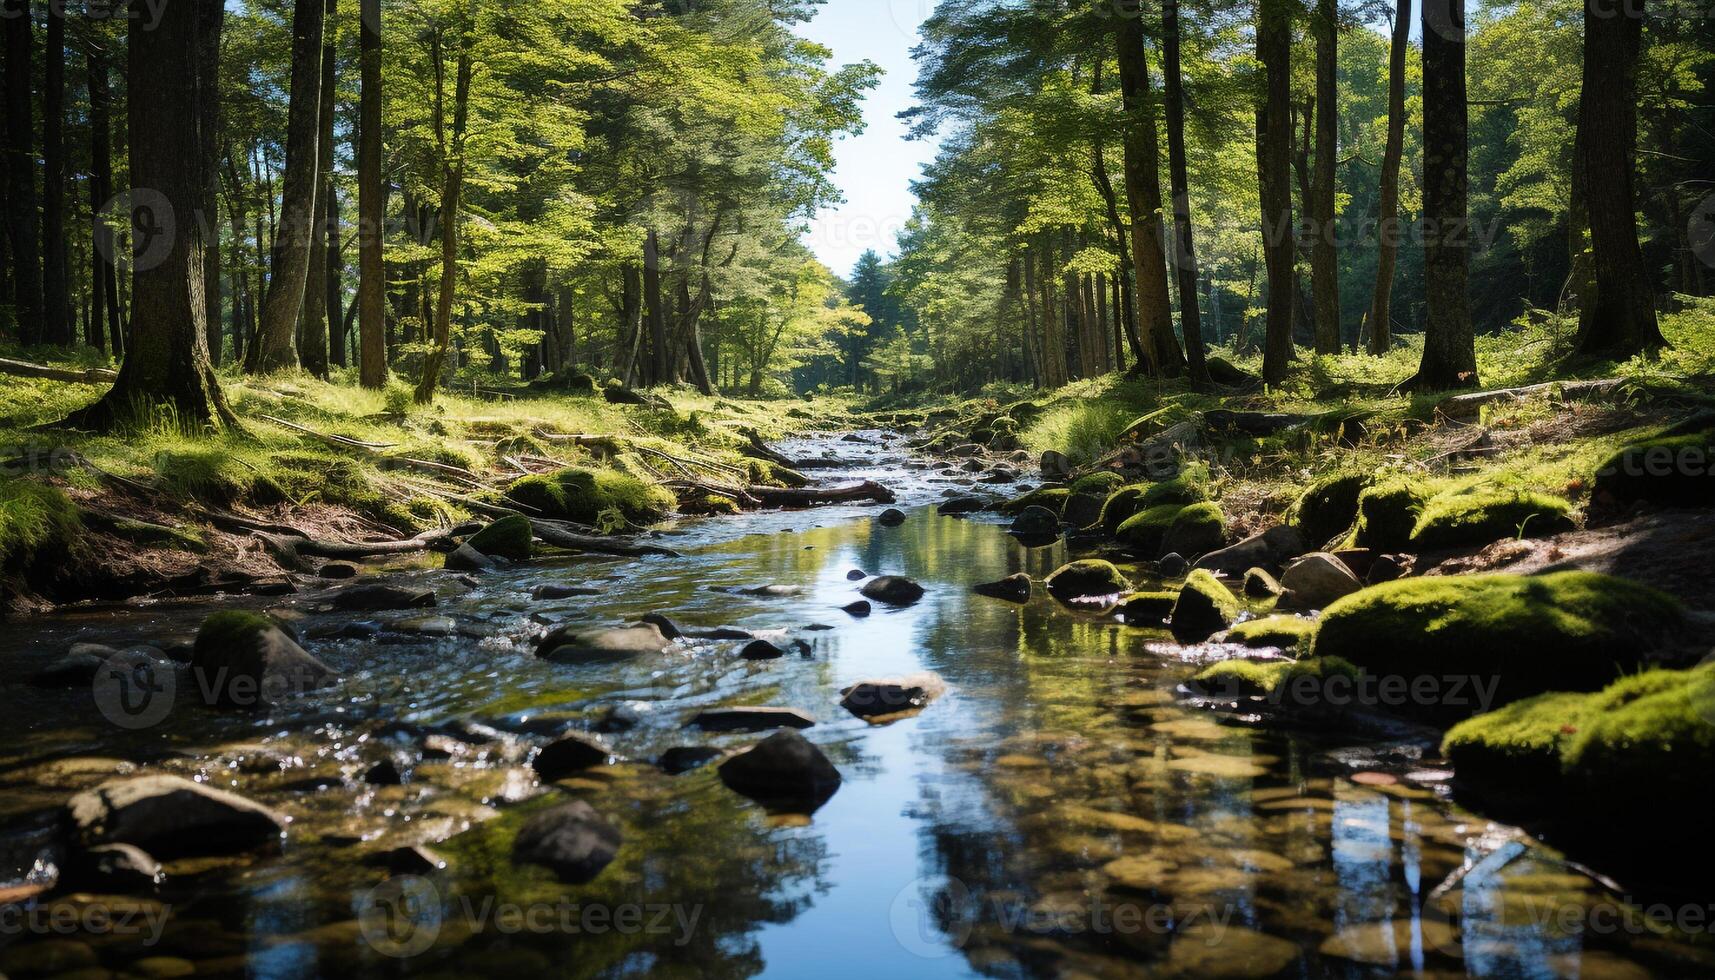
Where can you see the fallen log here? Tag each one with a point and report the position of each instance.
(561, 536)
(1253, 423)
(292, 550)
(757, 449)
(88, 376)
(868, 490)
(1463, 406)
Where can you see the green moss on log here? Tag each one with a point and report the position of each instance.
(1053, 498)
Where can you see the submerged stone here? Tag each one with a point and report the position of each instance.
(169, 816)
(893, 590)
(574, 644)
(783, 772)
(1013, 588)
(750, 719)
(571, 839)
(572, 753)
(246, 660)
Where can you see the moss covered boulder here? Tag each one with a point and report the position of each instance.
(1284, 632)
(1197, 529)
(1147, 609)
(509, 537)
(1473, 519)
(246, 660)
(1101, 484)
(1638, 752)
(1674, 470)
(1132, 499)
(1329, 506)
(1297, 682)
(1146, 531)
(1086, 579)
(1051, 498)
(1204, 608)
(1387, 514)
(1508, 636)
(598, 498)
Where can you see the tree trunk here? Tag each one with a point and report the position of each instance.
(1274, 161)
(1105, 187)
(208, 213)
(371, 205)
(56, 292)
(1623, 321)
(168, 362)
(660, 361)
(1324, 257)
(1389, 228)
(631, 310)
(101, 191)
(1143, 193)
(319, 319)
(452, 160)
(1449, 346)
(337, 317)
(1184, 252)
(1033, 345)
(21, 217)
(275, 348)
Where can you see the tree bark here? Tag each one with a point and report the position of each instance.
(208, 213)
(371, 205)
(452, 160)
(1623, 319)
(1143, 194)
(101, 190)
(1449, 345)
(1184, 252)
(1324, 255)
(21, 220)
(1388, 228)
(56, 293)
(660, 364)
(1126, 317)
(275, 348)
(1274, 161)
(168, 362)
(319, 320)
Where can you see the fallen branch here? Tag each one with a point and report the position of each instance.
(1469, 404)
(1252, 423)
(292, 550)
(561, 536)
(88, 376)
(757, 449)
(868, 490)
(372, 449)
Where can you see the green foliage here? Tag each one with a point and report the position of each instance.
(607, 499)
(35, 520)
(1565, 631)
(1459, 520)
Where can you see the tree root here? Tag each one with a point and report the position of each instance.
(868, 490)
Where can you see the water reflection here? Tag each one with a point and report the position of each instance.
(1057, 812)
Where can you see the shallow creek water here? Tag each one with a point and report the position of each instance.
(1059, 812)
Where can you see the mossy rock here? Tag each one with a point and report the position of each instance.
(1516, 635)
(1103, 483)
(1147, 609)
(1197, 530)
(1676, 471)
(1259, 584)
(1269, 678)
(1086, 579)
(1642, 747)
(509, 537)
(1329, 506)
(1468, 520)
(1052, 498)
(763, 473)
(1146, 531)
(711, 505)
(592, 497)
(1132, 499)
(1285, 632)
(1204, 608)
(1387, 514)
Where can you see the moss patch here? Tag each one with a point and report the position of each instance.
(1253, 678)
(764, 473)
(1204, 608)
(1132, 499)
(34, 519)
(1053, 499)
(1329, 506)
(1102, 483)
(1523, 635)
(1285, 632)
(1674, 470)
(1146, 531)
(1085, 579)
(1387, 515)
(1465, 520)
(509, 537)
(607, 499)
(1197, 529)
(1147, 609)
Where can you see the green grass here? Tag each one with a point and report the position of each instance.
(35, 519)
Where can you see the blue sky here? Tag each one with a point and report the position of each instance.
(875, 169)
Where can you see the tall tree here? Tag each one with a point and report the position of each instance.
(371, 204)
(56, 292)
(1143, 193)
(208, 214)
(1389, 228)
(22, 221)
(106, 278)
(317, 328)
(1184, 251)
(451, 151)
(1449, 342)
(167, 365)
(275, 347)
(1622, 319)
(1274, 166)
(1324, 257)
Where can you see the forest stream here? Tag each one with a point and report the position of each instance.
(1062, 809)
